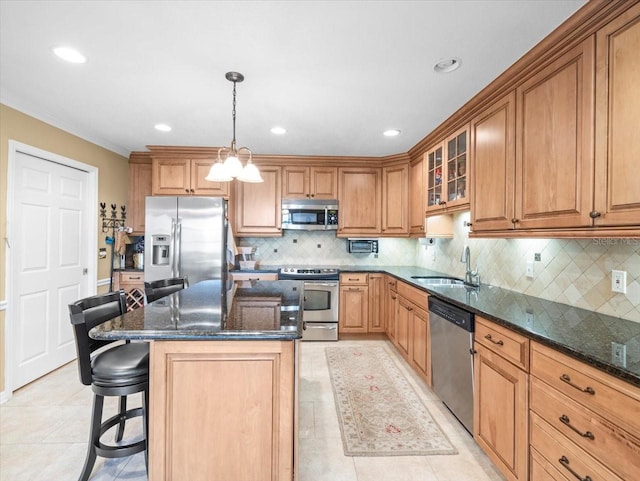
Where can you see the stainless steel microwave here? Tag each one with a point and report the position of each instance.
(309, 214)
(362, 246)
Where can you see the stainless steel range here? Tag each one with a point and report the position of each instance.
(321, 296)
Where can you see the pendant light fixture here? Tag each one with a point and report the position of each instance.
(231, 167)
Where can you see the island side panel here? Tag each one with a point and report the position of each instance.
(221, 410)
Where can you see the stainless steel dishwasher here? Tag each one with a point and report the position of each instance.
(452, 358)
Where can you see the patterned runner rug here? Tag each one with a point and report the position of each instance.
(378, 411)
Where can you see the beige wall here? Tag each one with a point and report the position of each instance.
(112, 188)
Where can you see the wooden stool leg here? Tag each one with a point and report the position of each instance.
(145, 425)
(123, 410)
(94, 437)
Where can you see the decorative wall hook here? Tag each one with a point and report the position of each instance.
(112, 222)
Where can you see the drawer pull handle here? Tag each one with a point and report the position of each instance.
(134, 278)
(564, 419)
(567, 379)
(565, 463)
(489, 338)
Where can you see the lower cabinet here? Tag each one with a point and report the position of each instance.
(501, 401)
(354, 303)
(420, 346)
(585, 424)
(222, 410)
(377, 303)
(132, 283)
(391, 307)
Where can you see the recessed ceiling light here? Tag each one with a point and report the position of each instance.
(278, 130)
(163, 127)
(391, 133)
(447, 65)
(69, 54)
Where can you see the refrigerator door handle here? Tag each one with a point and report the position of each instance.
(173, 248)
(178, 248)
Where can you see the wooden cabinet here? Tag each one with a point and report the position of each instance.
(258, 207)
(395, 200)
(554, 151)
(617, 188)
(354, 303)
(132, 283)
(139, 189)
(582, 419)
(300, 182)
(179, 176)
(391, 295)
(420, 349)
(493, 166)
(447, 173)
(359, 194)
(377, 303)
(417, 206)
(500, 424)
(210, 398)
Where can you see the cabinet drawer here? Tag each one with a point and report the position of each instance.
(131, 278)
(253, 276)
(418, 297)
(612, 398)
(354, 278)
(603, 440)
(563, 455)
(510, 345)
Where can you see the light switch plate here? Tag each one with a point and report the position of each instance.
(619, 354)
(619, 281)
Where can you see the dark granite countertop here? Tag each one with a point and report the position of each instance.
(246, 310)
(580, 333)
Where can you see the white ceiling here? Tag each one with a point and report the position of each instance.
(335, 74)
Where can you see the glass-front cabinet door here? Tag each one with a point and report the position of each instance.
(457, 168)
(435, 167)
(447, 171)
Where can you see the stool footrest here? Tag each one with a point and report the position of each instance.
(119, 450)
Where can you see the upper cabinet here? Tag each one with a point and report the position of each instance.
(447, 173)
(180, 176)
(300, 182)
(418, 206)
(554, 151)
(258, 207)
(493, 168)
(395, 200)
(359, 193)
(617, 188)
(139, 189)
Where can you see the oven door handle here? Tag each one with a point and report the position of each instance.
(325, 284)
(310, 325)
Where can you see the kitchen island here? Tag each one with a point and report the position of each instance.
(223, 379)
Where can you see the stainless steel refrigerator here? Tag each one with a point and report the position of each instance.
(185, 237)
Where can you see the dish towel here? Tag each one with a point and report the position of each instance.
(122, 239)
(232, 250)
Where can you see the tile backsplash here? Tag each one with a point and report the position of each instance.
(574, 272)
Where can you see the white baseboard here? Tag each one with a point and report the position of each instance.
(104, 282)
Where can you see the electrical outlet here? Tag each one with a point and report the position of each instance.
(619, 281)
(537, 257)
(530, 270)
(619, 354)
(528, 314)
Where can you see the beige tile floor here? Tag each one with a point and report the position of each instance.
(44, 428)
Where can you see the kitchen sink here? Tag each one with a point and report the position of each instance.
(439, 281)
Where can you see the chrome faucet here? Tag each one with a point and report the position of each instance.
(470, 277)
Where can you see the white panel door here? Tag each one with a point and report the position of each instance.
(49, 248)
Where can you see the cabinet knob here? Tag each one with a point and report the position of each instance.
(192, 191)
(594, 214)
(467, 224)
(186, 190)
(515, 221)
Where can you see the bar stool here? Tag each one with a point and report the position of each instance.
(156, 289)
(120, 370)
